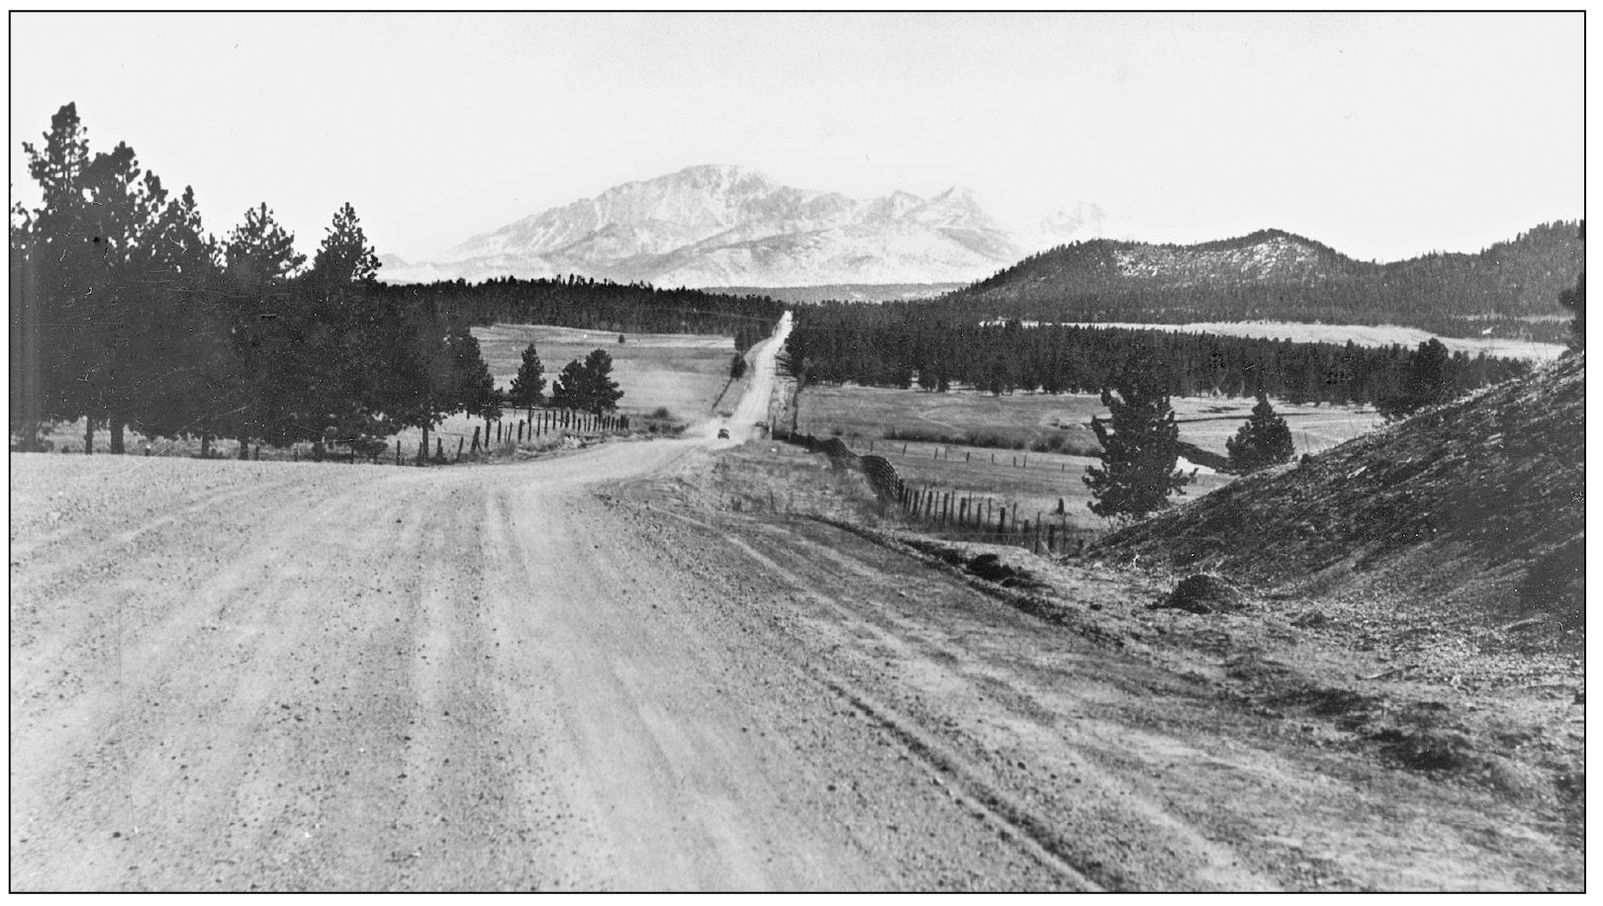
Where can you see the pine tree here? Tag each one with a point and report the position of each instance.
(1263, 441)
(567, 392)
(475, 387)
(528, 386)
(338, 373)
(1427, 382)
(259, 264)
(1140, 447)
(588, 385)
(1574, 299)
(58, 304)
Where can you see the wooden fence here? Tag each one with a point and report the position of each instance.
(955, 514)
(494, 433)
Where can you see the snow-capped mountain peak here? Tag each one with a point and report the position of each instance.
(726, 225)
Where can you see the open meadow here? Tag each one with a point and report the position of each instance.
(1363, 335)
(1029, 451)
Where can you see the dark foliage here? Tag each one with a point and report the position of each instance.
(1140, 447)
(596, 305)
(588, 385)
(1262, 442)
(528, 386)
(878, 345)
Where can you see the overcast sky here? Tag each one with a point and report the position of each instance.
(1382, 135)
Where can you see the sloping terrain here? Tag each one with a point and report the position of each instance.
(1273, 275)
(1476, 509)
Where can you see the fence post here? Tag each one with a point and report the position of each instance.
(1001, 521)
(1051, 538)
(967, 454)
(904, 449)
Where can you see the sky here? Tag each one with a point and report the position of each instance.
(1382, 135)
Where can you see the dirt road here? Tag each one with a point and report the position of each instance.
(235, 675)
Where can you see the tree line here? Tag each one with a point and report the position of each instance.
(591, 304)
(126, 313)
(906, 346)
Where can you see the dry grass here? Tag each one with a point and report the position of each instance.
(1363, 335)
(1031, 482)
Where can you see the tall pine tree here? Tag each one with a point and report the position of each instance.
(528, 385)
(1140, 446)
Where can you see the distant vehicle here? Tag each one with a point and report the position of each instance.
(723, 433)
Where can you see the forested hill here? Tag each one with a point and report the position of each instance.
(1272, 275)
(599, 305)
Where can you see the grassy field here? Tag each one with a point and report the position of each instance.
(1364, 335)
(1015, 477)
(686, 374)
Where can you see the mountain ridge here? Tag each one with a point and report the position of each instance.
(1508, 288)
(720, 224)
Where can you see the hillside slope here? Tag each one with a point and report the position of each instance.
(1274, 275)
(1474, 510)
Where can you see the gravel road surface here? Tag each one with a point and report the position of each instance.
(278, 676)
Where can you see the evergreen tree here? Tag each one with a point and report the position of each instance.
(475, 387)
(737, 367)
(528, 386)
(339, 374)
(588, 385)
(185, 379)
(1427, 382)
(1263, 441)
(1140, 446)
(259, 263)
(1574, 299)
(567, 392)
(345, 257)
(58, 314)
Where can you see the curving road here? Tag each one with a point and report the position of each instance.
(233, 676)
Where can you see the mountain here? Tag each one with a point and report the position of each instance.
(713, 226)
(1509, 288)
